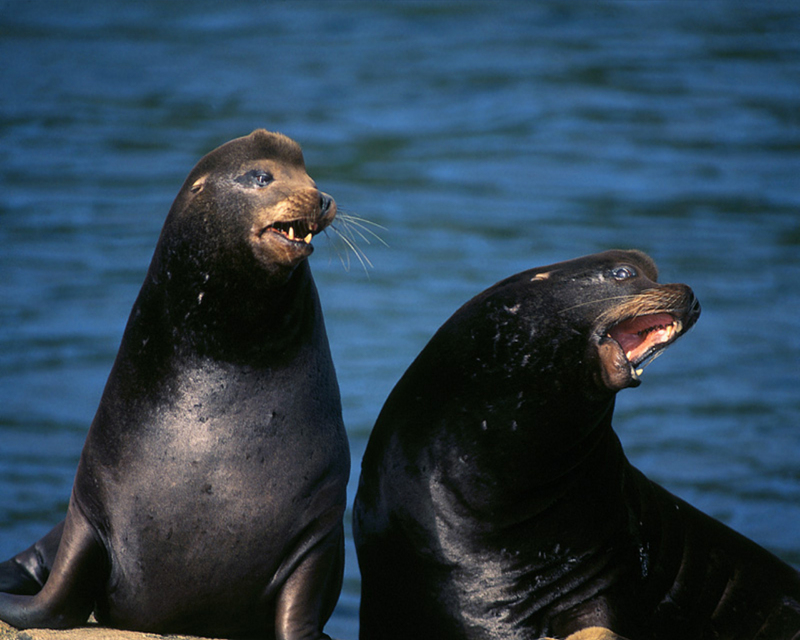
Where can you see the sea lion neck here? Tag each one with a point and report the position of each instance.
(198, 319)
(498, 419)
(522, 463)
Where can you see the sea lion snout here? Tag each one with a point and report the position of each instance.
(284, 230)
(300, 216)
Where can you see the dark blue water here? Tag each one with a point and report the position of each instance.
(486, 137)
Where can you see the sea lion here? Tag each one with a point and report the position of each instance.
(495, 500)
(210, 493)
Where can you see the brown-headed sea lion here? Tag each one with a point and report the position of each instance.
(210, 492)
(495, 500)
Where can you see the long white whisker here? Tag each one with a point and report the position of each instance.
(357, 252)
(343, 229)
(345, 265)
(351, 230)
(351, 218)
(362, 257)
(360, 225)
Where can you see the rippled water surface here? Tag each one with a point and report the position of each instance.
(485, 137)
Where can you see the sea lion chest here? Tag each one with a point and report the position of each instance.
(189, 485)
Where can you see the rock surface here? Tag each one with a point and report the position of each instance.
(94, 632)
(594, 633)
(89, 632)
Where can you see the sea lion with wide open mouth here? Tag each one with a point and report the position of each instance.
(495, 500)
(210, 492)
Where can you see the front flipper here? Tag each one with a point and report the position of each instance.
(309, 595)
(67, 597)
(26, 572)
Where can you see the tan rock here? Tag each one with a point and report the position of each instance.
(89, 632)
(94, 632)
(594, 633)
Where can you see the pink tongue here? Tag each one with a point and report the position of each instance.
(627, 332)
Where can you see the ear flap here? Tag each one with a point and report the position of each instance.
(198, 185)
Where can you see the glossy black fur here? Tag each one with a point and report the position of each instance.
(496, 502)
(210, 492)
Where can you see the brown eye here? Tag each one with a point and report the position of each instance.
(623, 273)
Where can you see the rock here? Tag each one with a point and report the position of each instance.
(595, 633)
(95, 632)
(89, 632)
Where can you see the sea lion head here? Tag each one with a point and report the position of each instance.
(529, 368)
(583, 327)
(229, 272)
(604, 315)
(639, 319)
(252, 198)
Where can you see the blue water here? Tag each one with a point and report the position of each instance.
(485, 137)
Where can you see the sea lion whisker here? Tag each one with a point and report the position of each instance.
(363, 220)
(354, 233)
(350, 229)
(363, 225)
(647, 303)
(599, 300)
(357, 251)
(354, 228)
(344, 257)
(332, 245)
(345, 230)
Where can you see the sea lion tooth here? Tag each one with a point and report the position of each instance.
(291, 233)
(307, 239)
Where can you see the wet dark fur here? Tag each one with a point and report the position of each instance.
(211, 488)
(495, 500)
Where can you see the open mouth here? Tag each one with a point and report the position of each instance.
(302, 228)
(631, 334)
(299, 231)
(643, 337)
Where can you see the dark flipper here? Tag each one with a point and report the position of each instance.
(310, 594)
(26, 573)
(68, 595)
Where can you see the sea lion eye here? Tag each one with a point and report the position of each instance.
(623, 273)
(262, 178)
(256, 178)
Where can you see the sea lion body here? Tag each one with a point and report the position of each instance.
(495, 500)
(210, 491)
